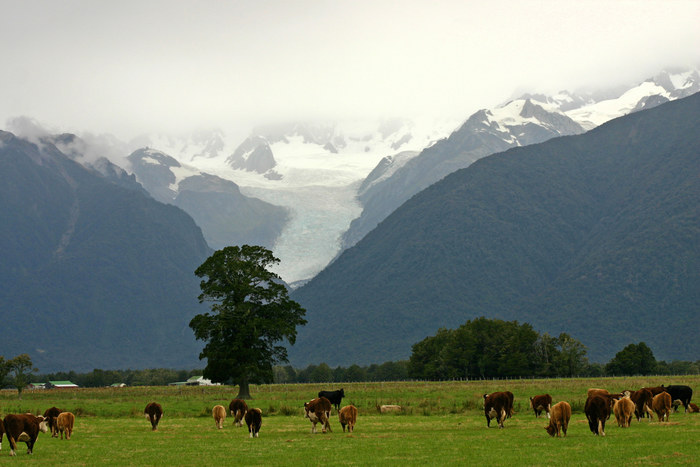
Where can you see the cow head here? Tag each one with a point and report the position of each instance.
(43, 424)
(551, 430)
(306, 410)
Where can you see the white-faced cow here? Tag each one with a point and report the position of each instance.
(23, 428)
(335, 397)
(541, 403)
(318, 411)
(559, 416)
(348, 416)
(238, 409)
(597, 409)
(661, 405)
(153, 412)
(50, 417)
(680, 393)
(624, 410)
(219, 414)
(497, 405)
(253, 418)
(64, 423)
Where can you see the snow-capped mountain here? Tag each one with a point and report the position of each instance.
(530, 119)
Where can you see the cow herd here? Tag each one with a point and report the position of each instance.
(600, 405)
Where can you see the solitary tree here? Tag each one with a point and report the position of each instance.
(251, 313)
(21, 368)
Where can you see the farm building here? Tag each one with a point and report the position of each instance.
(61, 385)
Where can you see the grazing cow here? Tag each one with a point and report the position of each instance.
(624, 410)
(692, 408)
(336, 397)
(50, 416)
(64, 423)
(238, 409)
(681, 393)
(153, 412)
(25, 428)
(541, 403)
(253, 418)
(656, 390)
(219, 414)
(642, 403)
(661, 405)
(348, 416)
(597, 410)
(559, 416)
(497, 405)
(318, 410)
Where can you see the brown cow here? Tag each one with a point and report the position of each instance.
(219, 414)
(348, 416)
(559, 417)
(50, 416)
(238, 409)
(253, 418)
(642, 403)
(154, 412)
(692, 408)
(661, 405)
(597, 410)
(64, 423)
(318, 410)
(2, 432)
(624, 410)
(541, 403)
(656, 390)
(25, 428)
(497, 405)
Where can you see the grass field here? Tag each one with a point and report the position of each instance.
(441, 423)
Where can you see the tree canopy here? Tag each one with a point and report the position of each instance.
(635, 359)
(484, 348)
(251, 313)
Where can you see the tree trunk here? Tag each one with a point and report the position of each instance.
(244, 389)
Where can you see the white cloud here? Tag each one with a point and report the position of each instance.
(134, 66)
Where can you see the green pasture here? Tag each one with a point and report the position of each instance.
(442, 422)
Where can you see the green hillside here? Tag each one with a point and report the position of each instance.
(596, 235)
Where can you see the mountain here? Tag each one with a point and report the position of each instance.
(94, 274)
(226, 216)
(595, 235)
(533, 118)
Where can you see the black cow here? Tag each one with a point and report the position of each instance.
(335, 397)
(153, 412)
(50, 416)
(253, 418)
(680, 393)
(597, 409)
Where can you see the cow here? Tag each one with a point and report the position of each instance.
(348, 416)
(656, 390)
(681, 393)
(238, 409)
(559, 416)
(661, 405)
(253, 418)
(219, 414)
(335, 397)
(389, 408)
(597, 410)
(497, 405)
(541, 403)
(692, 408)
(642, 403)
(50, 416)
(2, 432)
(624, 410)
(64, 423)
(153, 412)
(318, 410)
(25, 428)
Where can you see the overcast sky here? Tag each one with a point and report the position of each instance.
(129, 67)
